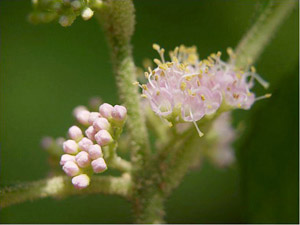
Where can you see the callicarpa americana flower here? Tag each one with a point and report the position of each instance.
(83, 153)
(186, 88)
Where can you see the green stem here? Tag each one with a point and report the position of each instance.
(118, 19)
(61, 186)
(256, 39)
(115, 161)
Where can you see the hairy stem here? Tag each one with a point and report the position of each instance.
(118, 20)
(60, 186)
(256, 39)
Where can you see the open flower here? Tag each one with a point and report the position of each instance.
(186, 89)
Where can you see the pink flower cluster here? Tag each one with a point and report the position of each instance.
(187, 89)
(83, 153)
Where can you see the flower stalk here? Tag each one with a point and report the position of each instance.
(118, 20)
(60, 186)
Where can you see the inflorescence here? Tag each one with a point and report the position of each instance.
(186, 89)
(65, 11)
(83, 153)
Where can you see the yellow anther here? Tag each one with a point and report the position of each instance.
(149, 69)
(210, 59)
(174, 59)
(207, 63)
(239, 105)
(182, 66)
(188, 78)
(169, 64)
(268, 95)
(144, 86)
(229, 51)
(213, 55)
(219, 54)
(249, 93)
(157, 62)
(158, 93)
(202, 97)
(156, 47)
(156, 77)
(162, 51)
(209, 106)
(192, 58)
(206, 70)
(176, 51)
(163, 66)
(147, 75)
(238, 76)
(198, 83)
(253, 70)
(190, 92)
(200, 63)
(182, 86)
(181, 48)
(144, 96)
(136, 83)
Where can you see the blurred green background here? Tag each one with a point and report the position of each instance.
(47, 70)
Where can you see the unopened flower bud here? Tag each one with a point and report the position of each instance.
(70, 147)
(95, 151)
(101, 124)
(83, 117)
(119, 112)
(105, 110)
(99, 165)
(81, 181)
(87, 13)
(71, 169)
(78, 109)
(103, 137)
(95, 102)
(84, 144)
(93, 116)
(90, 133)
(65, 158)
(47, 142)
(76, 4)
(75, 133)
(66, 20)
(82, 159)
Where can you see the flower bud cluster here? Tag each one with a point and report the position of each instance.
(83, 151)
(65, 11)
(187, 89)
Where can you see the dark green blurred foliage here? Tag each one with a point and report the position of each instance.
(47, 70)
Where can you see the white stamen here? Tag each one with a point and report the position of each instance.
(263, 97)
(196, 125)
